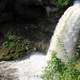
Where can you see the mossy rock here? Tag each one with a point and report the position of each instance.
(15, 47)
(3, 53)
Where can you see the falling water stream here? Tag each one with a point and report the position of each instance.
(66, 34)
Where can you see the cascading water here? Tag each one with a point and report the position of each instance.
(76, 1)
(66, 34)
(27, 69)
(63, 42)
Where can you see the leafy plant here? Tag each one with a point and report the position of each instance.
(14, 47)
(58, 70)
(62, 3)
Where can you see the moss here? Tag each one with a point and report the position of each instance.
(15, 47)
(58, 70)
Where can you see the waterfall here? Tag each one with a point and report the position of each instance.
(63, 42)
(76, 1)
(66, 34)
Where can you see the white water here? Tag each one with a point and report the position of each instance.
(66, 34)
(27, 69)
(76, 2)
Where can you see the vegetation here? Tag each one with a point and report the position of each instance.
(61, 3)
(14, 47)
(58, 70)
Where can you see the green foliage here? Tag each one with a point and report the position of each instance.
(61, 3)
(58, 70)
(14, 47)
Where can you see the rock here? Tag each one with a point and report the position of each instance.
(3, 4)
(5, 13)
(29, 9)
(1, 37)
(22, 9)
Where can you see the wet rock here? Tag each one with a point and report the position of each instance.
(1, 37)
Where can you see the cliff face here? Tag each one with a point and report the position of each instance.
(23, 9)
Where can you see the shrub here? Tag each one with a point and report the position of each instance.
(58, 70)
(14, 47)
(62, 3)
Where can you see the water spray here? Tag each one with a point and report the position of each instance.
(76, 2)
